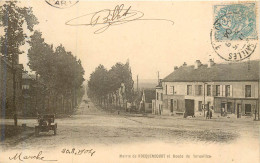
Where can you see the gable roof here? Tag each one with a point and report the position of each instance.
(149, 94)
(240, 71)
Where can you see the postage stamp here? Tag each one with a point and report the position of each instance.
(61, 3)
(234, 34)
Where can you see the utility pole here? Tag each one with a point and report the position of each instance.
(14, 89)
(137, 84)
(36, 93)
(158, 77)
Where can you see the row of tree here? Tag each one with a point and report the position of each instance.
(14, 21)
(110, 86)
(59, 71)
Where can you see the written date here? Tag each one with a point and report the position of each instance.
(75, 151)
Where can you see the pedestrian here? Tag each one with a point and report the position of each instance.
(210, 112)
(207, 114)
(223, 111)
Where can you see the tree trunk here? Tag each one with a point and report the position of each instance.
(14, 93)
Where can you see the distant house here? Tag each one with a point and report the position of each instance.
(158, 103)
(6, 86)
(146, 102)
(29, 94)
(232, 87)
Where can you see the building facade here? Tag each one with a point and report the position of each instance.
(158, 99)
(146, 104)
(231, 88)
(6, 87)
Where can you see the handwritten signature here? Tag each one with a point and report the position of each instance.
(21, 157)
(119, 15)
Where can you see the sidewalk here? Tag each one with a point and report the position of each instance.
(12, 135)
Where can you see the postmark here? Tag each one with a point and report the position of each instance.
(61, 4)
(234, 34)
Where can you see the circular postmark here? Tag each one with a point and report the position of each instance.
(234, 36)
(61, 3)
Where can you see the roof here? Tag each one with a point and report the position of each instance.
(150, 94)
(240, 71)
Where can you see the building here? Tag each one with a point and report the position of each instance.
(158, 104)
(232, 87)
(6, 87)
(146, 102)
(30, 96)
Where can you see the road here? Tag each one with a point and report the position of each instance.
(92, 127)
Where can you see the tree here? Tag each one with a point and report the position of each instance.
(98, 83)
(13, 18)
(59, 70)
(105, 84)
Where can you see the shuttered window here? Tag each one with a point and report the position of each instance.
(208, 90)
(189, 89)
(248, 91)
(227, 88)
(217, 90)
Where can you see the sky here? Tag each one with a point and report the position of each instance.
(150, 45)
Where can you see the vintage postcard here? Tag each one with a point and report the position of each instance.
(129, 81)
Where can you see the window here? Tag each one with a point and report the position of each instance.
(227, 87)
(172, 90)
(25, 86)
(198, 90)
(208, 90)
(157, 96)
(189, 89)
(150, 106)
(161, 96)
(166, 89)
(248, 91)
(217, 90)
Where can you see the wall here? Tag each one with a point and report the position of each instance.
(6, 87)
(158, 103)
(180, 89)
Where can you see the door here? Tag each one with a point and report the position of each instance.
(171, 105)
(229, 104)
(238, 110)
(248, 109)
(189, 107)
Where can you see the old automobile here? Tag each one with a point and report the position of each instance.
(45, 124)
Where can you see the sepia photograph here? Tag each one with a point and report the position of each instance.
(129, 81)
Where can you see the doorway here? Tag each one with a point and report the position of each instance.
(189, 107)
(248, 109)
(239, 110)
(171, 105)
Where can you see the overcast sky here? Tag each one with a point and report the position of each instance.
(150, 46)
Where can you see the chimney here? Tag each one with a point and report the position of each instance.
(184, 64)
(197, 64)
(211, 63)
(175, 68)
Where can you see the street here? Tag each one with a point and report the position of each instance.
(92, 127)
